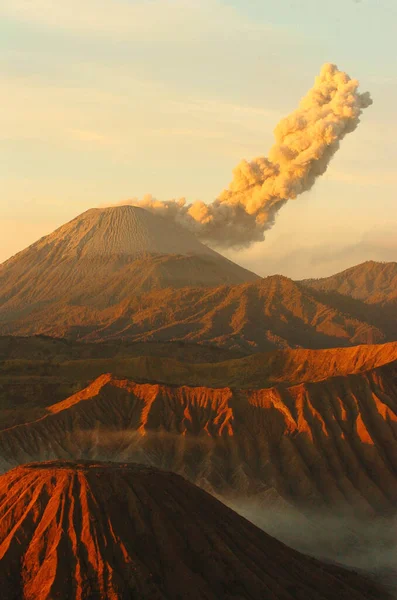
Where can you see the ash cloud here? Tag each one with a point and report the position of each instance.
(305, 142)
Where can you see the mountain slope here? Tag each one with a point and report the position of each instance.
(117, 531)
(259, 316)
(373, 282)
(328, 443)
(126, 273)
(104, 256)
(38, 371)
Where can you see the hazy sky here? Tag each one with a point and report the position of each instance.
(104, 100)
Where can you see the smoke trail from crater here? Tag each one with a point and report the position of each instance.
(305, 143)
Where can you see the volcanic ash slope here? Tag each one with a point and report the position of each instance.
(106, 255)
(329, 443)
(87, 530)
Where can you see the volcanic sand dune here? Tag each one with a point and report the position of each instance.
(327, 443)
(94, 530)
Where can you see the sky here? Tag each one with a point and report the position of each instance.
(105, 100)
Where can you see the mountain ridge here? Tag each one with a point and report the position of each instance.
(38, 372)
(327, 443)
(129, 531)
(258, 316)
(371, 281)
(125, 273)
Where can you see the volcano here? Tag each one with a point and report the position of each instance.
(108, 530)
(106, 255)
(125, 273)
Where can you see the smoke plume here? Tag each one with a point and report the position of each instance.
(305, 143)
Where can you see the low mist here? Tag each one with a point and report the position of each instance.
(367, 544)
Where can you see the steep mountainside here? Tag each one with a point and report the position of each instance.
(125, 273)
(373, 282)
(38, 371)
(103, 257)
(327, 443)
(273, 312)
(117, 531)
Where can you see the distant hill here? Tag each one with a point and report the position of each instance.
(124, 273)
(274, 312)
(372, 282)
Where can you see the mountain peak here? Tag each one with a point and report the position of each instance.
(371, 281)
(124, 230)
(105, 256)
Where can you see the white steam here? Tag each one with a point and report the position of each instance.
(305, 143)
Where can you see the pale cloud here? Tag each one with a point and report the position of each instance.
(375, 178)
(166, 97)
(331, 256)
(36, 110)
(129, 111)
(170, 132)
(382, 79)
(10, 243)
(221, 115)
(82, 135)
(141, 19)
(226, 108)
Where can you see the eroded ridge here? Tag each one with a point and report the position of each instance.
(99, 530)
(327, 443)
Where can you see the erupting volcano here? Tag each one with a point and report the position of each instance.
(124, 249)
